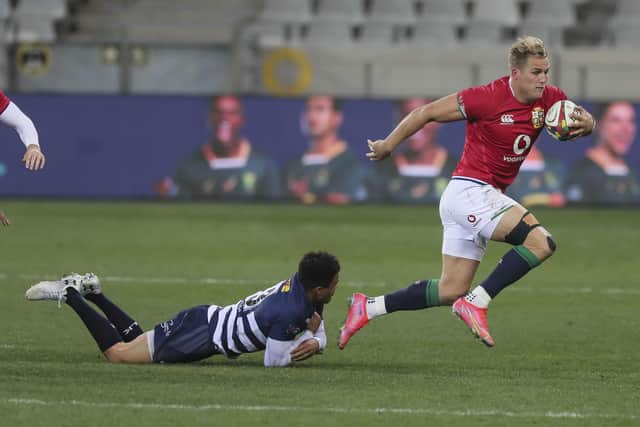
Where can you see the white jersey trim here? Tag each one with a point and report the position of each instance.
(255, 328)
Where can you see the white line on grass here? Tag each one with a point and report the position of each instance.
(338, 410)
(362, 285)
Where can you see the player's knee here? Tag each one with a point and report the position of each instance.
(113, 357)
(541, 244)
(116, 353)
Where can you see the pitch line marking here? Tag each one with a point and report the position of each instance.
(336, 410)
(363, 285)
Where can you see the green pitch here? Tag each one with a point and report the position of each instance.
(567, 340)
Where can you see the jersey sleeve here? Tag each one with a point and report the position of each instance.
(473, 102)
(4, 102)
(278, 353)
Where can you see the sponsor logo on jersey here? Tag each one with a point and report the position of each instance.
(514, 159)
(286, 287)
(506, 119)
(471, 218)
(537, 117)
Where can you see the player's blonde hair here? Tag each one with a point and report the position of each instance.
(523, 48)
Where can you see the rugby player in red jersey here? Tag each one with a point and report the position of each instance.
(504, 118)
(33, 158)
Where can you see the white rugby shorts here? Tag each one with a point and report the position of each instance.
(470, 210)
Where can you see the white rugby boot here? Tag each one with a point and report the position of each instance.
(56, 290)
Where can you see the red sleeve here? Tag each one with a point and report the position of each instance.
(4, 102)
(472, 102)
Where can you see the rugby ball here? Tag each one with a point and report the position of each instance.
(558, 120)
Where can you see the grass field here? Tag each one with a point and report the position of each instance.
(567, 340)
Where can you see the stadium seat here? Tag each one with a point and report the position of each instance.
(35, 28)
(377, 33)
(341, 10)
(5, 9)
(435, 33)
(626, 36)
(267, 34)
(393, 11)
(552, 36)
(328, 33)
(452, 11)
(627, 12)
(484, 33)
(286, 11)
(550, 13)
(502, 12)
(55, 9)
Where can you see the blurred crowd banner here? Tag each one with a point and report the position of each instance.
(306, 150)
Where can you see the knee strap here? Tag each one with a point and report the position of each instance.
(519, 234)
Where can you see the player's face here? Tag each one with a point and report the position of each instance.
(425, 136)
(618, 127)
(227, 119)
(531, 79)
(324, 295)
(320, 116)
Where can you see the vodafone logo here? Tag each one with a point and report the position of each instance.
(506, 119)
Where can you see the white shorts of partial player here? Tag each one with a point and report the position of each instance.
(470, 210)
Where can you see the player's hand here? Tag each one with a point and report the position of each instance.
(583, 122)
(3, 219)
(314, 322)
(305, 350)
(33, 158)
(379, 149)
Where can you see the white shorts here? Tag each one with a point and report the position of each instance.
(470, 210)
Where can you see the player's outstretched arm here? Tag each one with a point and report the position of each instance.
(14, 117)
(282, 353)
(584, 123)
(441, 110)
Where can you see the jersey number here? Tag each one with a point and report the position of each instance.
(253, 300)
(517, 144)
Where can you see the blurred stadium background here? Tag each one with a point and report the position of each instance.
(359, 48)
(119, 91)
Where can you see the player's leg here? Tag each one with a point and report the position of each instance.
(455, 281)
(70, 289)
(127, 327)
(532, 244)
(134, 351)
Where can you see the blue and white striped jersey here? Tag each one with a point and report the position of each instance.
(267, 320)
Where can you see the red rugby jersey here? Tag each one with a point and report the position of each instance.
(500, 130)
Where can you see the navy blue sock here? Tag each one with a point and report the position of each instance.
(126, 326)
(100, 328)
(421, 294)
(513, 265)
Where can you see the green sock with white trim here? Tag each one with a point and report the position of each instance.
(517, 262)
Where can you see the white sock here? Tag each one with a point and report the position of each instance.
(479, 297)
(376, 307)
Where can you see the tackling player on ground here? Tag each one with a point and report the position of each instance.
(504, 119)
(33, 158)
(284, 320)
